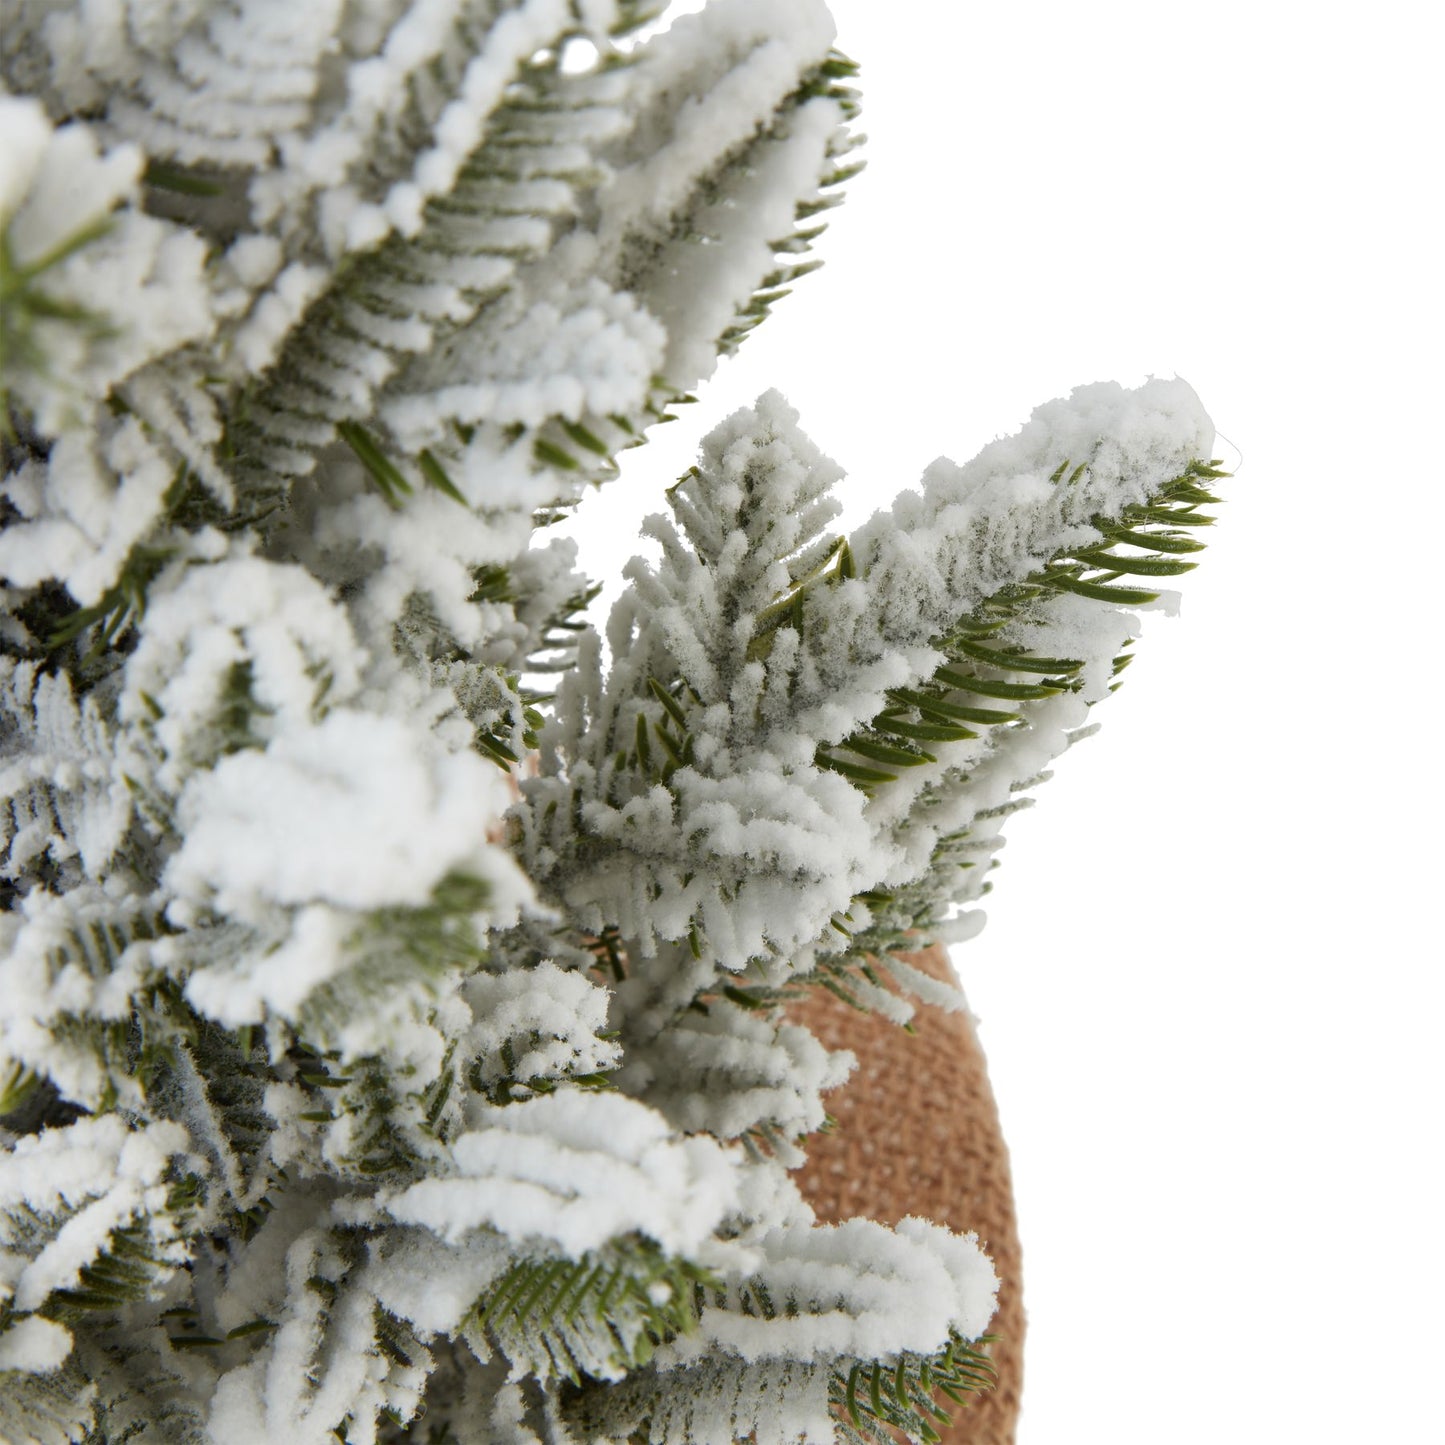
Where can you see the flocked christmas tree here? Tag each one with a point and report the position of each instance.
(392, 1040)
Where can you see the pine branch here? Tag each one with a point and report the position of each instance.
(979, 686)
(85, 1248)
(410, 293)
(62, 806)
(144, 1380)
(862, 1402)
(829, 82)
(62, 1021)
(220, 1075)
(982, 700)
(333, 1359)
(780, 1401)
(528, 178)
(54, 1408)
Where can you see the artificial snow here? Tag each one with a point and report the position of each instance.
(577, 1169)
(358, 810)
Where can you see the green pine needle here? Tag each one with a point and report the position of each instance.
(592, 1317)
(875, 1402)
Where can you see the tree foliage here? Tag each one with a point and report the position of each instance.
(393, 970)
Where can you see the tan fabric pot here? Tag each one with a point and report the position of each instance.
(918, 1133)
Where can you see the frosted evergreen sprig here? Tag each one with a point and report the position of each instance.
(991, 704)
(708, 713)
(756, 1389)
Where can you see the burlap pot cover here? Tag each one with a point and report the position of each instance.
(918, 1133)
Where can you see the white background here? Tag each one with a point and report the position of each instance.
(1210, 988)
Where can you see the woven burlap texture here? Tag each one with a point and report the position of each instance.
(918, 1133)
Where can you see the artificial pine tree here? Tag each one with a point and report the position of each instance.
(392, 1006)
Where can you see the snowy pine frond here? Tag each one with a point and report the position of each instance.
(719, 1402)
(808, 1389)
(352, 981)
(406, 296)
(944, 760)
(232, 655)
(54, 1408)
(1019, 676)
(932, 558)
(575, 1169)
(147, 1376)
(61, 796)
(460, 315)
(996, 658)
(854, 1403)
(854, 1290)
(738, 660)
(349, 906)
(535, 1028)
(734, 1073)
(334, 1360)
(215, 1082)
(700, 834)
(469, 1402)
(93, 1217)
(86, 1005)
